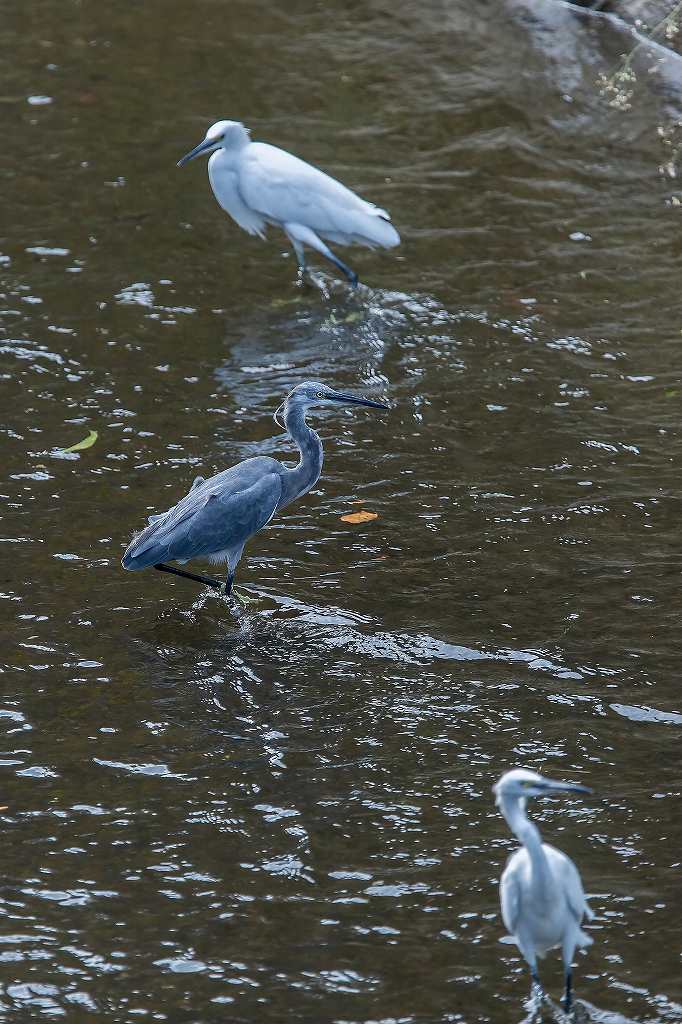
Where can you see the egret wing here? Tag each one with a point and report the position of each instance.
(284, 189)
(206, 522)
(510, 895)
(575, 894)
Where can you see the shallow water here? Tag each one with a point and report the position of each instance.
(286, 814)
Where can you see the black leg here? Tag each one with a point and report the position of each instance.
(568, 993)
(228, 584)
(536, 988)
(208, 581)
(350, 274)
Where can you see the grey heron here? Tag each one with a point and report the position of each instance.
(541, 894)
(259, 184)
(220, 514)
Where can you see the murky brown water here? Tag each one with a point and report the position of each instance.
(289, 817)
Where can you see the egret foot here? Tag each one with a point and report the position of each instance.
(537, 992)
(317, 282)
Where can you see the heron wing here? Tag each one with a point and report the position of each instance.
(210, 519)
(284, 189)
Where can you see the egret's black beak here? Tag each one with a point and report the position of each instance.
(203, 147)
(566, 787)
(340, 396)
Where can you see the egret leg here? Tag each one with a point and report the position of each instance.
(228, 583)
(567, 953)
(350, 274)
(300, 257)
(300, 254)
(536, 986)
(299, 234)
(208, 581)
(537, 991)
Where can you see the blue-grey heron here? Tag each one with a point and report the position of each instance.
(541, 894)
(219, 515)
(259, 184)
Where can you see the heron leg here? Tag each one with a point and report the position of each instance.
(228, 583)
(568, 991)
(208, 581)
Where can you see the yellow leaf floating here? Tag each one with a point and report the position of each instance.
(359, 517)
(87, 442)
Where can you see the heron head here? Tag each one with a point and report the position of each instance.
(315, 393)
(520, 783)
(221, 135)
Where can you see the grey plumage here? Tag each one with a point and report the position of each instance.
(220, 514)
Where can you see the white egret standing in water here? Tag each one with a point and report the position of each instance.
(541, 894)
(259, 184)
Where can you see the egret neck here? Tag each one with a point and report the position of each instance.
(514, 813)
(303, 476)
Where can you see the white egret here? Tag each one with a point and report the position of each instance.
(541, 894)
(259, 184)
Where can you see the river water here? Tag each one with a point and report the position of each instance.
(286, 814)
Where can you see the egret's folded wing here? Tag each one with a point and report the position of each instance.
(285, 189)
(510, 898)
(206, 522)
(575, 894)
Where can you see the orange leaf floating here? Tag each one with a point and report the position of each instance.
(359, 517)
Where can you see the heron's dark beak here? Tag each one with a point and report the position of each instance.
(203, 147)
(340, 396)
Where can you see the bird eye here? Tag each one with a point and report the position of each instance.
(320, 394)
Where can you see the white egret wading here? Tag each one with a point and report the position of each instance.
(219, 515)
(541, 894)
(259, 184)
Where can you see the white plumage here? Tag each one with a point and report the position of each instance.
(541, 895)
(259, 184)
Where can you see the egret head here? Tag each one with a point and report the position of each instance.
(221, 135)
(314, 393)
(520, 783)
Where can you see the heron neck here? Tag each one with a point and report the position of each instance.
(528, 835)
(302, 477)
